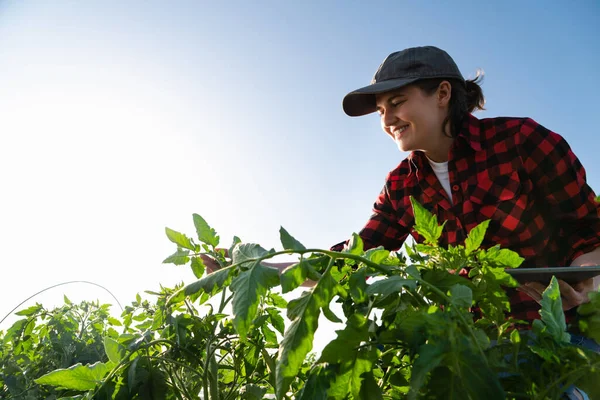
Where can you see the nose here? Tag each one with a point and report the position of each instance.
(388, 118)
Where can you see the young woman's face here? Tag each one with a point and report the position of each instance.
(414, 119)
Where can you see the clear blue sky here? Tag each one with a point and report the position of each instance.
(118, 118)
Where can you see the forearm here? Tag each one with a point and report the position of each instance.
(591, 259)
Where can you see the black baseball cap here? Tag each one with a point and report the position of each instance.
(398, 70)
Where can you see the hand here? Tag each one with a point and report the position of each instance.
(211, 264)
(572, 296)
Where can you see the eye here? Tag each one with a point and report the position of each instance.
(398, 103)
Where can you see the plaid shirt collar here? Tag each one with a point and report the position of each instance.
(470, 133)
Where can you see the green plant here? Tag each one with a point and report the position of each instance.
(408, 333)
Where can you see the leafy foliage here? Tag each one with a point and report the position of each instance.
(409, 330)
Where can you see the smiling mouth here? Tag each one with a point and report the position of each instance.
(398, 132)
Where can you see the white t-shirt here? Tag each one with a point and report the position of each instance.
(441, 171)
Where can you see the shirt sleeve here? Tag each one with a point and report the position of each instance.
(560, 180)
(383, 227)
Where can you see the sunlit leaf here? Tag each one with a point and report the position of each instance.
(180, 257)
(77, 377)
(289, 242)
(552, 313)
(476, 236)
(206, 234)
(426, 223)
(248, 287)
(179, 239)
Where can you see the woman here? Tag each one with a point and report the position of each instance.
(513, 171)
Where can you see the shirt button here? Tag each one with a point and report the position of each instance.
(455, 188)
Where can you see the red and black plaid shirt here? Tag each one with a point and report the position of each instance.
(513, 171)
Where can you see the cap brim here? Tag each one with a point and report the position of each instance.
(362, 101)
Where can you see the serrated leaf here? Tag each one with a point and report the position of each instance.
(330, 315)
(389, 285)
(77, 377)
(503, 258)
(476, 236)
(461, 296)
(269, 335)
(358, 286)
(426, 223)
(277, 300)
(288, 242)
(248, 287)
(315, 387)
(552, 313)
(247, 252)
(340, 348)
(198, 267)
(294, 276)
(217, 279)
(298, 339)
(276, 320)
(206, 234)
(179, 239)
(370, 390)
(114, 350)
(377, 255)
(352, 372)
(430, 356)
(180, 257)
(235, 242)
(355, 245)
(29, 311)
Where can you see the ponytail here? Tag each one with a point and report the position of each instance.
(474, 93)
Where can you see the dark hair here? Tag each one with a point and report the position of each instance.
(465, 98)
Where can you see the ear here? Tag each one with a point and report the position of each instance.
(444, 93)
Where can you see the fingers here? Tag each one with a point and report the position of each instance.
(533, 290)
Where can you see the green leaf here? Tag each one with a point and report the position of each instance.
(377, 255)
(248, 287)
(355, 245)
(552, 313)
(358, 286)
(206, 234)
(370, 390)
(277, 300)
(352, 372)
(461, 296)
(315, 387)
(288, 242)
(247, 252)
(426, 223)
(66, 300)
(180, 257)
(179, 239)
(340, 349)
(294, 276)
(430, 356)
(298, 339)
(113, 349)
(392, 284)
(217, 279)
(476, 236)
(77, 377)
(29, 311)
(503, 258)
(276, 320)
(198, 267)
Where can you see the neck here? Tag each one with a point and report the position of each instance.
(440, 152)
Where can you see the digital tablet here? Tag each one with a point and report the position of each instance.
(543, 275)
